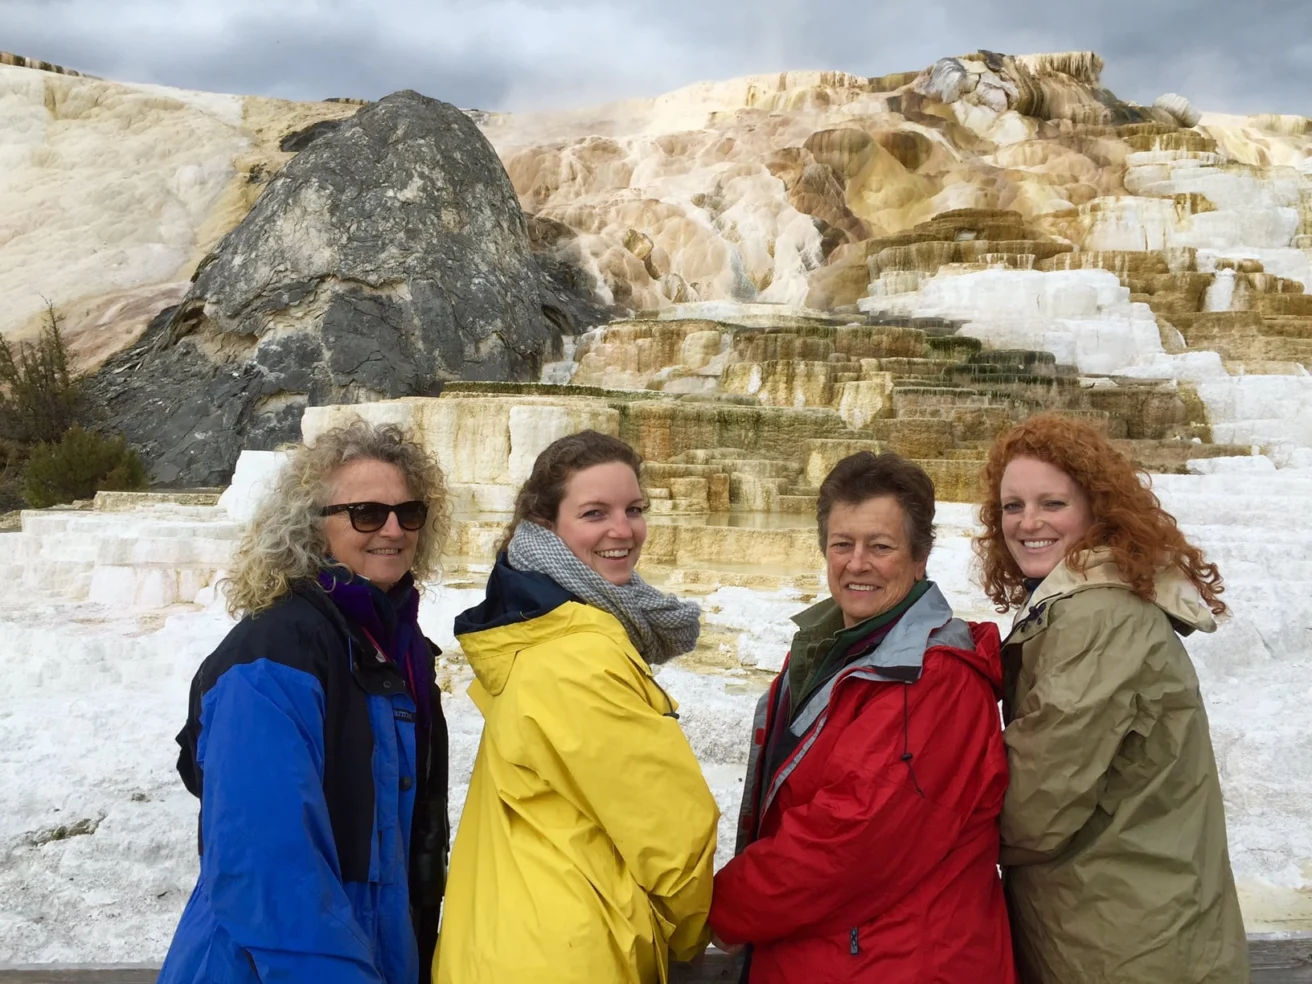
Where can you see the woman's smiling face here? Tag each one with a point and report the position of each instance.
(385, 555)
(602, 521)
(1044, 514)
(868, 557)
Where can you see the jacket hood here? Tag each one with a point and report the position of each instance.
(523, 609)
(986, 658)
(1175, 593)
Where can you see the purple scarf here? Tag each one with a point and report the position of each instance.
(392, 619)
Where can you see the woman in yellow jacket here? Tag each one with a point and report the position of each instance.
(586, 848)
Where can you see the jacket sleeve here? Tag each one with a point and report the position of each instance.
(630, 767)
(1065, 733)
(269, 858)
(871, 832)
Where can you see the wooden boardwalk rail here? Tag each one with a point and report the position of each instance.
(1287, 961)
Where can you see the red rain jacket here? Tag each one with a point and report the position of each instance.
(874, 857)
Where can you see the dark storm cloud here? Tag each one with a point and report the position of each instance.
(532, 53)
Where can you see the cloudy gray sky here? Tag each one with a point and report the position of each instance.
(530, 54)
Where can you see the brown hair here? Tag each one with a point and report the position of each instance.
(1128, 519)
(866, 475)
(540, 496)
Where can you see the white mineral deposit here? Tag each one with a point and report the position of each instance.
(112, 682)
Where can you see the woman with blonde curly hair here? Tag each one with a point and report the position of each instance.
(315, 739)
(1116, 865)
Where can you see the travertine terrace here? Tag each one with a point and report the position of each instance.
(1013, 200)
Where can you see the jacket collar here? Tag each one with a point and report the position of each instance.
(368, 673)
(900, 657)
(363, 602)
(822, 619)
(1175, 594)
(823, 645)
(524, 609)
(512, 596)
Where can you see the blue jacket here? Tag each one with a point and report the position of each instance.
(322, 818)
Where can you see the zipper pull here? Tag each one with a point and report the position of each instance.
(856, 941)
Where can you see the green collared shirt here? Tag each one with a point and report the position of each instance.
(822, 645)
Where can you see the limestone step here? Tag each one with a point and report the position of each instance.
(914, 436)
(148, 587)
(916, 368)
(938, 398)
(952, 346)
(706, 579)
(199, 543)
(43, 522)
(663, 432)
(992, 376)
(64, 578)
(69, 547)
(676, 507)
(939, 382)
(1265, 367)
(1025, 362)
(1000, 412)
(125, 501)
(660, 473)
(1172, 456)
(1101, 419)
(203, 551)
(763, 468)
(692, 544)
(1217, 515)
(1237, 483)
(153, 554)
(1297, 305)
(150, 523)
(755, 493)
(1293, 327)
(712, 456)
(820, 455)
(954, 480)
(787, 503)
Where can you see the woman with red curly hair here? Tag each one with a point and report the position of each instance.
(1113, 829)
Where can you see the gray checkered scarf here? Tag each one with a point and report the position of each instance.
(660, 626)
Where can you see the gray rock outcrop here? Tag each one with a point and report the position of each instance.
(1180, 109)
(389, 255)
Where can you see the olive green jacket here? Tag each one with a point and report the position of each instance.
(1113, 829)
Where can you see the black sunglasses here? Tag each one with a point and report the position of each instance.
(368, 517)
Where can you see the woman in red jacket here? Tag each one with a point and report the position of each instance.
(868, 839)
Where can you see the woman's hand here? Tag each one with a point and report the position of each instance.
(729, 948)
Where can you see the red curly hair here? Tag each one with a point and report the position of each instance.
(1128, 519)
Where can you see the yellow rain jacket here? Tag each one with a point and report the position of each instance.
(585, 852)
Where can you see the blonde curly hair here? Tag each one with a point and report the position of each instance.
(285, 541)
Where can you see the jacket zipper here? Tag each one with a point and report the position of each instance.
(798, 752)
(856, 941)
